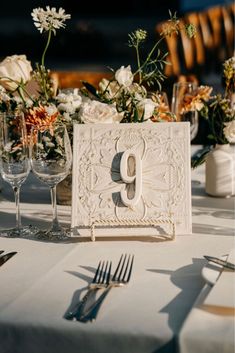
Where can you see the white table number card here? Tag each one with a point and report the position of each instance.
(131, 180)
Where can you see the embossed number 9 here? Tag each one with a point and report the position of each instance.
(131, 173)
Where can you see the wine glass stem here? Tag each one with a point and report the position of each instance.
(17, 202)
(55, 223)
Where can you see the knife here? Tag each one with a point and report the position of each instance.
(4, 258)
(221, 262)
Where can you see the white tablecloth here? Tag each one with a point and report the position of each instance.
(41, 282)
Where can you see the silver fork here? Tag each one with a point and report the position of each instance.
(100, 280)
(120, 278)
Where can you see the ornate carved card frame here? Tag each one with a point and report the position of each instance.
(131, 180)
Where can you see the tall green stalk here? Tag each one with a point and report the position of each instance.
(46, 47)
(43, 69)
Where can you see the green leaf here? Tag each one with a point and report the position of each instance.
(210, 136)
(200, 156)
(90, 88)
(136, 116)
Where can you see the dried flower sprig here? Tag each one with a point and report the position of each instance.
(174, 26)
(229, 75)
(218, 112)
(150, 69)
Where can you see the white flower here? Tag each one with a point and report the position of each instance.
(96, 112)
(229, 131)
(67, 119)
(4, 97)
(8, 147)
(51, 109)
(146, 107)
(49, 19)
(28, 103)
(124, 76)
(14, 70)
(69, 102)
(137, 91)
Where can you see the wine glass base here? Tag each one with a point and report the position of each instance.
(22, 232)
(52, 235)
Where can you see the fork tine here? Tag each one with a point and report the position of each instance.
(118, 266)
(96, 273)
(126, 268)
(130, 269)
(104, 273)
(121, 270)
(109, 273)
(100, 273)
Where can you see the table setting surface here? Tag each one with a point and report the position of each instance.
(159, 310)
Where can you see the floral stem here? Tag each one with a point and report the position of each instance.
(20, 89)
(42, 69)
(140, 67)
(138, 63)
(21, 93)
(46, 47)
(154, 48)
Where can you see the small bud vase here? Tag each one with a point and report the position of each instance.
(220, 171)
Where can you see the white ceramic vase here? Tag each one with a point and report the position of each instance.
(220, 171)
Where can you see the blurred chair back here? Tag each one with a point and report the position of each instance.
(74, 79)
(213, 43)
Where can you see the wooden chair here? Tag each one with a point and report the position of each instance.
(197, 41)
(205, 28)
(215, 18)
(171, 45)
(183, 53)
(74, 79)
(228, 22)
(205, 53)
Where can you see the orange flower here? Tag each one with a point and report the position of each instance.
(195, 100)
(162, 111)
(40, 116)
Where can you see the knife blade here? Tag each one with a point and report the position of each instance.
(4, 258)
(221, 262)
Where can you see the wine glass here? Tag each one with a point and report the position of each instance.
(181, 105)
(14, 162)
(51, 160)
